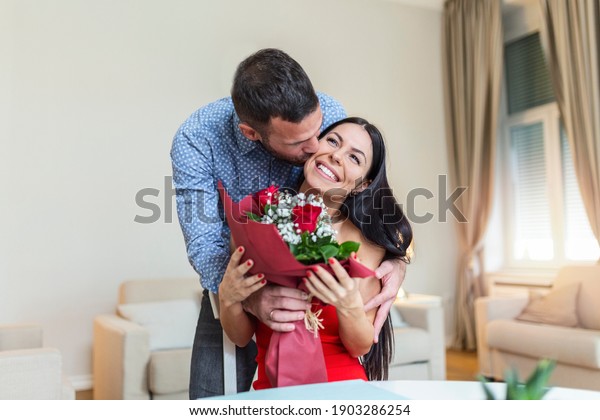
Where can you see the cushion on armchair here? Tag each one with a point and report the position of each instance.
(589, 304)
(559, 307)
(169, 371)
(412, 345)
(160, 317)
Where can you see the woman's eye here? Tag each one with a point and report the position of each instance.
(332, 141)
(355, 159)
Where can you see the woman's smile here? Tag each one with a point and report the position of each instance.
(326, 171)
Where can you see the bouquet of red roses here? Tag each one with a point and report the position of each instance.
(303, 223)
(282, 233)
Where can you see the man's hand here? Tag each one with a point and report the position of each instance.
(391, 273)
(277, 307)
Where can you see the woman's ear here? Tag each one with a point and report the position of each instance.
(249, 132)
(360, 187)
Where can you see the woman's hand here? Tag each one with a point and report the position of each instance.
(235, 286)
(341, 291)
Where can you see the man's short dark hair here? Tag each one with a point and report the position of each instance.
(271, 84)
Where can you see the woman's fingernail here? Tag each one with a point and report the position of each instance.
(260, 276)
(331, 260)
(300, 316)
(263, 281)
(249, 263)
(304, 279)
(308, 273)
(241, 249)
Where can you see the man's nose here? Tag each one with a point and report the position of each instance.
(311, 146)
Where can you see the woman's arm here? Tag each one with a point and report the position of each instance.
(234, 288)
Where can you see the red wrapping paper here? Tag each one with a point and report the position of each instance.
(296, 357)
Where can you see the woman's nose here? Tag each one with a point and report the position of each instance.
(335, 156)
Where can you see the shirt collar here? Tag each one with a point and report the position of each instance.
(244, 145)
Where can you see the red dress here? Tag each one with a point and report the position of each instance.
(340, 364)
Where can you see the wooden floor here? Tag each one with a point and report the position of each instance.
(460, 366)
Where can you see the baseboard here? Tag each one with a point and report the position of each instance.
(82, 382)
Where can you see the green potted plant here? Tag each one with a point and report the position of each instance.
(534, 389)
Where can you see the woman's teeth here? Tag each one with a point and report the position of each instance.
(327, 172)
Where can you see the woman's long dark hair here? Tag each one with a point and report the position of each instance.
(379, 217)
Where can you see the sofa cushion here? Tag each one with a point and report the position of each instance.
(556, 308)
(411, 345)
(573, 346)
(171, 323)
(169, 371)
(589, 304)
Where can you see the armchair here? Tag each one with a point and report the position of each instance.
(144, 350)
(28, 370)
(419, 341)
(504, 341)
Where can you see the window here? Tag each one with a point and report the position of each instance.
(545, 220)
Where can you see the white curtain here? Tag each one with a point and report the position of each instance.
(472, 48)
(571, 31)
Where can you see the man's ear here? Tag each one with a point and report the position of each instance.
(249, 132)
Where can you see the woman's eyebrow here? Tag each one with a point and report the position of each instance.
(354, 149)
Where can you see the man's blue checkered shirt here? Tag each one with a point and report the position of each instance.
(209, 147)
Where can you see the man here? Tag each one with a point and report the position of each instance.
(258, 137)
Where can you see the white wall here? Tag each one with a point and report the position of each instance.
(91, 94)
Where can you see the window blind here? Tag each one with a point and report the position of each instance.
(533, 229)
(527, 75)
(580, 243)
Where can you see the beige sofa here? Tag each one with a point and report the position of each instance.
(505, 342)
(29, 371)
(419, 342)
(143, 351)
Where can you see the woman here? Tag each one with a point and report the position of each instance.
(348, 171)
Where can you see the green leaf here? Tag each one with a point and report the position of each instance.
(270, 207)
(325, 240)
(489, 395)
(536, 384)
(328, 251)
(253, 216)
(305, 239)
(348, 248)
(514, 390)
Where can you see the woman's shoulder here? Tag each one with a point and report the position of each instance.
(369, 253)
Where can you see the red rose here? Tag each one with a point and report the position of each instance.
(267, 196)
(306, 217)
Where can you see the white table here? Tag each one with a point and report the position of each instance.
(470, 390)
(398, 390)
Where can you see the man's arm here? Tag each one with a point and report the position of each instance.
(391, 273)
(197, 207)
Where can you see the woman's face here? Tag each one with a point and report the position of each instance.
(341, 162)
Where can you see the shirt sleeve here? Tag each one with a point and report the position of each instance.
(205, 233)
(332, 110)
